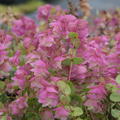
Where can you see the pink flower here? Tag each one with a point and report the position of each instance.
(5, 41)
(45, 39)
(113, 22)
(20, 76)
(48, 96)
(97, 92)
(9, 118)
(69, 23)
(3, 55)
(31, 57)
(58, 61)
(94, 55)
(27, 42)
(5, 38)
(95, 105)
(46, 115)
(102, 41)
(39, 68)
(60, 26)
(117, 38)
(49, 12)
(79, 72)
(99, 22)
(55, 79)
(15, 60)
(17, 106)
(61, 113)
(95, 97)
(44, 12)
(24, 26)
(5, 68)
(30, 42)
(80, 26)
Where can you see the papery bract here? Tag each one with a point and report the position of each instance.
(61, 113)
(18, 105)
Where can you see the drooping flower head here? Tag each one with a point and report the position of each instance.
(24, 26)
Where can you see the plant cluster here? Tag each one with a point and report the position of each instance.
(61, 67)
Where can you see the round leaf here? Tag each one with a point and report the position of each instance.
(118, 79)
(77, 111)
(64, 87)
(115, 97)
(73, 35)
(65, 99)
(66, 62)
(115, 113)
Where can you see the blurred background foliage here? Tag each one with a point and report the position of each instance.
(20, 6)
(29, 6)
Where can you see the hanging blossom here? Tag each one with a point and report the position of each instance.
(24, 26)
(45, 39)
(47, 12)
(48, 96)
(5, 41)
(69, 23)
(47, 114)
(20, 77)
(17, 106)
(44, 12)
(95, 96)
(15, 60)
(61, 113)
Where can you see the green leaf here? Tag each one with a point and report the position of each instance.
(2, 84)
(85, 89)
(10, 53)
(111, 87)
(3, 98)
(1, 105)
(66, 62)
(73, 35)
(4, 118)
(22, 60)
(77, 60)
(77, 44)
(33, 104)
(65, 99)
(21, 48)
(115, 113)
(77, 111)
(78, 119)
(74, 39)
(77, 98)
(115, 97)
(64, 87)
(52, 71)
(118, 79)
(32, 116)
(71, 86)
(72, 52)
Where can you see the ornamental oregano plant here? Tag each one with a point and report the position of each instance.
(60, 66)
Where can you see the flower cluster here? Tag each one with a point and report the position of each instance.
(5, 41)
(62, 68)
